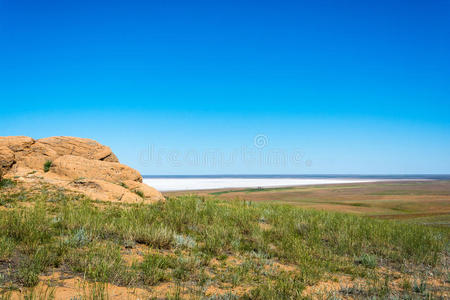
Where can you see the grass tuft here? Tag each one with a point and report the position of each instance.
(122, 184)
(367, 260)
(139, 193)
(7, 183)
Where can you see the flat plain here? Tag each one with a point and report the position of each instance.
(421, 201)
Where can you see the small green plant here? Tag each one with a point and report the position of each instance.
(80, 238)
(37, 293)
(95, 291)
(158, 237)
(420, 287)
(33, 264)
(139, 193)
(122, 184)
(7, 183)
(47, 165)
(367, 260)
(406, 285)
(184, 241)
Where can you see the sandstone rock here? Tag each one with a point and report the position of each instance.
(74, 167)
(148, 191)
(6, 159)
(16, 143)
(45, 150)
(106, 191)
(87, 148)
(33, 161)
(80, 165)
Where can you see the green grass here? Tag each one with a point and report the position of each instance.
(71, 233)
(437, 220)
(122, 184)
(139, 193)
(369, 261)
(6, 183)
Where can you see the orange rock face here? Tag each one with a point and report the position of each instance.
(6, 159)
(87, 148)
(71, 166)
(77, 164)
(16, 143)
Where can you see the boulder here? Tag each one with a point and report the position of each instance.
(32, 160)
(147, 191)
(16, 143)
(74, 167)
(106, 191)
(6, 159)
(78, 164)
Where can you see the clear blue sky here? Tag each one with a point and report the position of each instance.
(344, 86)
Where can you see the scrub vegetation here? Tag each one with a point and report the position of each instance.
(422, 202)
(200, 247)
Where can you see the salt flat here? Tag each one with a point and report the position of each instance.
(189, 184)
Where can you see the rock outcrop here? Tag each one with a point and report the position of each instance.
(77, 164)
(6, 159)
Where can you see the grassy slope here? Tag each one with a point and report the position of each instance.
(207, 246)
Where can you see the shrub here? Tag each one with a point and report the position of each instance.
(158, 237)
(47, 165)
(184, 241)
(30, 267)
(80, 238)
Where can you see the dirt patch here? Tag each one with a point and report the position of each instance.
(134, 254)
(221, 291)
(60, 286)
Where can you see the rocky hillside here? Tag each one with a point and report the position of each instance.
(76, 164)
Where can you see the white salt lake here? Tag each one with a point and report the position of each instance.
(166, 184)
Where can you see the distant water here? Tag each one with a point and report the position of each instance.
(167, 183)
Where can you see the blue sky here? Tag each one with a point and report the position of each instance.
(183, 87)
